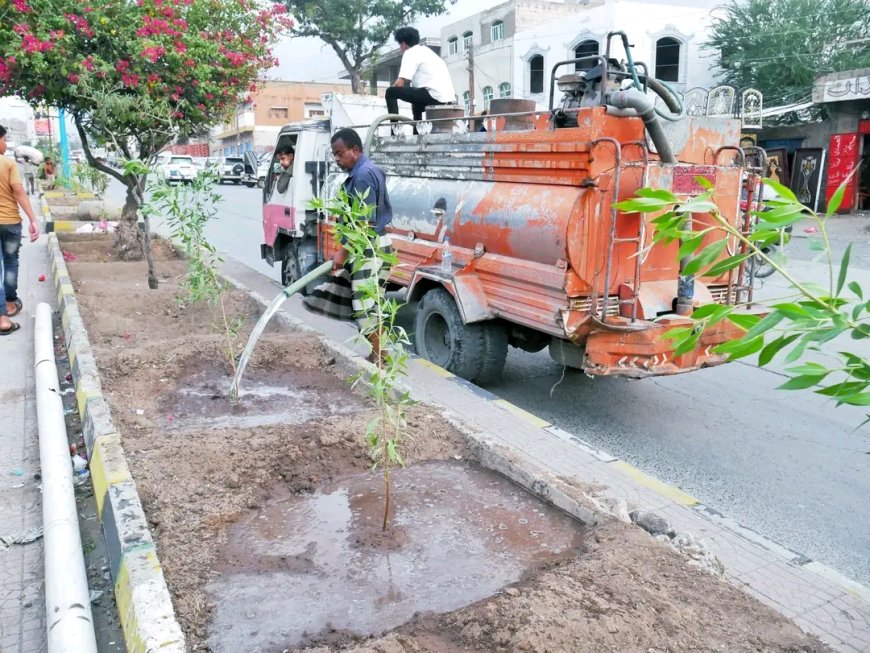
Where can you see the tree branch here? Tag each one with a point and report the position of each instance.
(92, 161)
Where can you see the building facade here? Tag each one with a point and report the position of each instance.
(255, 125)
(666, 35)
(481, 50)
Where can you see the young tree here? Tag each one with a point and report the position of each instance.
(356, 29)
(136, 74)
(782, 46)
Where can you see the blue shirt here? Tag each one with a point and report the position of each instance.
(366, 176)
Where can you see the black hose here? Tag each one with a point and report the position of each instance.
(645, 107)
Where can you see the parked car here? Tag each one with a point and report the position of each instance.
(231, 168)
(177, 168)
(256, 169)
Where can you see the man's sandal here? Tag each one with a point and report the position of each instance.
(18, 307)
(5, 332)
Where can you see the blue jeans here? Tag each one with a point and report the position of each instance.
(10, 243)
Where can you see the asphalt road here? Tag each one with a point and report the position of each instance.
(787, 464)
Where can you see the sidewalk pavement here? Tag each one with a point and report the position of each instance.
(22, 597)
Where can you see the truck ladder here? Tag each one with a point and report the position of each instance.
(601, 301)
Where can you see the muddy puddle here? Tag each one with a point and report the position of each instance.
(305, 566)
(201, 399)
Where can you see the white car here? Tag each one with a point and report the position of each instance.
(177, 169)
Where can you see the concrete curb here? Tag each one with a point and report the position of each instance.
(144, 605)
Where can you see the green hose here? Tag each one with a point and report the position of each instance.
(299, 284)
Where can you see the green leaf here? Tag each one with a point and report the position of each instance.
(840, 389)
(740, 348)
(643, 205)
(844, 268)
(677, 333)
(772, 348)
(782, 216)
(798, 349)
(659, 194)
(792, 311)
(704, 182)
(782, 190)
(802, 382)
(816, 245)
(861, 399)
(855, 287)
(861, 332)
(837, 198)
(687, 345)
(689, 245)
(808, 369)
(745, 320)
(765, 324)
(725, 265)
(714, 311)
(705, 257)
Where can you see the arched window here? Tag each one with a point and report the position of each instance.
(452, 45)
(467, 40)
(536, 74)
(587, 48)
(504, 89)
(668, 59)
(487, 96)
(496, 31)
(466, 100)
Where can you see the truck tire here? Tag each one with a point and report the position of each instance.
(495, 347)
(442, 338)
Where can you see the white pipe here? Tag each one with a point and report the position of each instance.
(67, 599)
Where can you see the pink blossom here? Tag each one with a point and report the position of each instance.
(88, 63)
(180, 23)
(73, 78)
(122, 65)
(180, 47)
(21, 6)
(56, 34)
(153, 53)
(129, 80)
(153, 78)
(21, 28)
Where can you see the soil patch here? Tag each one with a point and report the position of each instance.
(212, 473)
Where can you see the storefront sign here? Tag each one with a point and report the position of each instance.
(841, 90)
(844, 158)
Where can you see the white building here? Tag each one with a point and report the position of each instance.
(667, 35)
(488, 38)
(515, 44)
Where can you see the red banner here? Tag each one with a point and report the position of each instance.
(844, 158)
(42, 127)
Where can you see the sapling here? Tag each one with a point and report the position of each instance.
(187, 209)
(385, 434)
(800, 324)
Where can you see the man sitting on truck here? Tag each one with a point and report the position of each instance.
(340, 297)
(423, 76)
(285, 158)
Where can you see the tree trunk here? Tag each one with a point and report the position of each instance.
(128, 238)
(355, 81)
(131, 242)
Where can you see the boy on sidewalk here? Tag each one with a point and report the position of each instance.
(12, 195)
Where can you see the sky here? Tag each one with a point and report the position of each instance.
(311, 60)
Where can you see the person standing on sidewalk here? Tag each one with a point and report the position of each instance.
(12, 196)
(30, 176)
(423, 69)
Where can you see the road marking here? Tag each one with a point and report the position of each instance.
(675, 494)
(524, 415)
(440, 371)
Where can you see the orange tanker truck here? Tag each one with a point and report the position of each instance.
(541, 256)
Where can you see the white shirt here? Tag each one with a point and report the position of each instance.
(427, 70)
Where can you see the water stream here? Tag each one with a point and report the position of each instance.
(292, 289)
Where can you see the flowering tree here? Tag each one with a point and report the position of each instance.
(136, 74)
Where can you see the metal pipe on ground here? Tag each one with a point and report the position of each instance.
(69, 621)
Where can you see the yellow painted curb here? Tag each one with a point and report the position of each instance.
(64, 225)
(440, 371)
(108, 468)
(81, 399)
(668, 491)
(524, 415)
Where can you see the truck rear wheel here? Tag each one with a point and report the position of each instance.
(473, 351)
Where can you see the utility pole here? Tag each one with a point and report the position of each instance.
(470, 79)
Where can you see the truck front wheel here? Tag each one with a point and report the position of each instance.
(473, 351)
